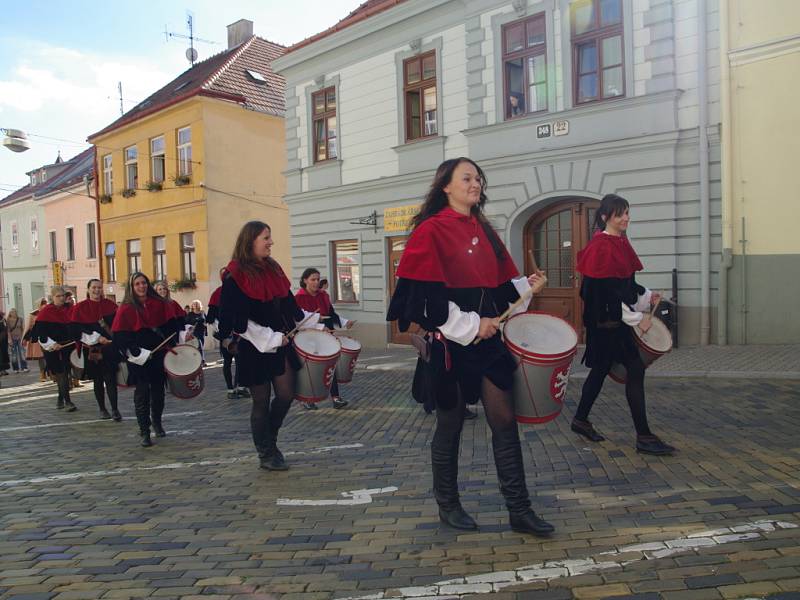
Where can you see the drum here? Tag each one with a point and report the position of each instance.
(543, 347)
(183, 365)
(346, 365)
(318, 352)
(652, 345)
(122, 375)
(78, 362)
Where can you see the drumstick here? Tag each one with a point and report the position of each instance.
(300, 324)
(525, 296)
(157, 348)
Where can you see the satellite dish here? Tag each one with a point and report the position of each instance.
(16, 140)
(191, 55)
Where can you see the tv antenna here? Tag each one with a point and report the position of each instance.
(191, 53)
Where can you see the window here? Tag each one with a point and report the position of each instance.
(597, 53)
(34, 235)
(33, 179)
(108, 175)
(347, 283)
(160, 258)
(43, 176)
(70, 243)
(185, 151)
(157, 159)
(134, 256)
(91, 241)
(14, 237)
(111, 261)
(525, 66)
(53, 247)
(419, 88)
(131, 168)
(324, 117)
(187, 256)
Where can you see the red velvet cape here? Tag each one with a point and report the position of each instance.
(608, 255)
(441, 249)
(89, 311)
(154, 313)
(50, 313)
(320, 302)
(268, 284)
(216, 296)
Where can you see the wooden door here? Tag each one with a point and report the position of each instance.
(554, 237)
(396, 245)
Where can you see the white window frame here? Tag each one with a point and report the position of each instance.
(70, 243)
(129, 164)
(91, 240)
(14, 237)
(134, 257)
(158, 156)
(189, 256)
(34, 235)
(52, 238)
(159, 259)
(356, 277)
(108, 175)
(184, 152)
(111, 261)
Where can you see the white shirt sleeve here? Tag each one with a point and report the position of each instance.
(632, 316)
(144, 354)
(460, 327)
(343, 321)
(312, 323)
(522, 286)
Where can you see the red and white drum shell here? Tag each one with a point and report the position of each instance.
(346, 365)
(78, 363)
(318, 352)
(652, 345)
(122, 375)
(183, 365)
(543, 347)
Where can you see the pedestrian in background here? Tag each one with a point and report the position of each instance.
(4, 359)
(33, 351)
(15, 331)
(197, 320)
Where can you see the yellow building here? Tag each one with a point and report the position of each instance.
(181, 172)
(760, 274)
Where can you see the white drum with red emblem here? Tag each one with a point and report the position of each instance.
(318, 352)
(78, 363)
(183, 365)
(346, 365)
(652, 345)
(543, 347)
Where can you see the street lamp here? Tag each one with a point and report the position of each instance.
(15, 140)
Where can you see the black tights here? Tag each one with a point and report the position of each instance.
(231, 380)
(148, 398)
(62, 380)
(108, 379)
(267, 417)
(499, 408)
(634, 392)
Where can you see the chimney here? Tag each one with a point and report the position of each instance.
(238, 32)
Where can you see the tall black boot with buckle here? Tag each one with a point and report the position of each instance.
(511, 474)
(444, 462)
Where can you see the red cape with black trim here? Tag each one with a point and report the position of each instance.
(608, 255)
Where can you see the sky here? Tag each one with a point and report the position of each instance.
(60, 62)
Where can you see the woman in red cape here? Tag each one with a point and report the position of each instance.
(455, 279)
(613, 303)
(91, 316)
(258, 307)
(142, 323)
(311, 298)
(52, 324)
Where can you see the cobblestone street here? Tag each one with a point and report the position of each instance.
(87, 513)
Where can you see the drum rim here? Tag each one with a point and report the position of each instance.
(664, 329)
(542, 357)
(317, 357)
(82, 357)
(348, 337)
(166, 369)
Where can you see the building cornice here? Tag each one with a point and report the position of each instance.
(764, 50)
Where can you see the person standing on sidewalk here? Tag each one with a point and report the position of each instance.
(33, 351)
(15, 331)
(197, 320)
(256, 310)
(455, 279)
(145, 321)
(613, 303)
(230, 368)
(51, 331)
(91, 321)
(312, 299)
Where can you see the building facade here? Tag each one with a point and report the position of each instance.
(761, 267)
(559, 101)
(180, 173)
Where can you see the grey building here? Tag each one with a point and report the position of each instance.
(559, 101)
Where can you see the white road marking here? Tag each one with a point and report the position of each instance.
(487, 583)
(166, 466)
(349, 498)
(66, 423)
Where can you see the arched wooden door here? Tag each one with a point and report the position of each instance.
(554, 236)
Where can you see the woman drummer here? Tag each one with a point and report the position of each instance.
(313, 299)
(92, 318)
(256, 309)
(455, 279)
(613, 303)
(51, 331)
(146, 321)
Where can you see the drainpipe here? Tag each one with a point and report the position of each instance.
(702, 149)
(98, 235)
(727, 174)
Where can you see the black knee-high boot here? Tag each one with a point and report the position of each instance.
(444, 464)
(511, 475)
(273, 459)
